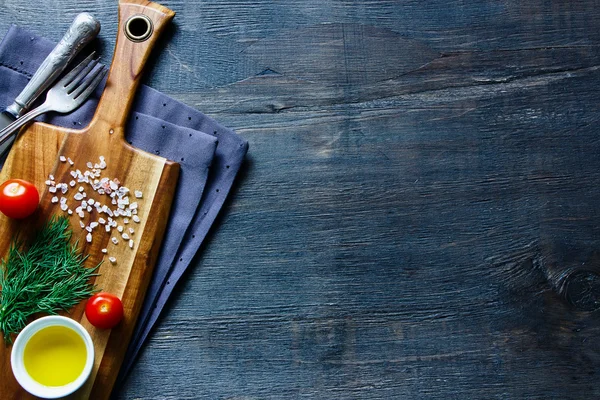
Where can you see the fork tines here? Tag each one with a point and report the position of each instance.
(79, 79)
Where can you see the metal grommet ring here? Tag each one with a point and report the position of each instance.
(138, 28)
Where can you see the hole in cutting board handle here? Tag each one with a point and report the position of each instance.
(138, 28)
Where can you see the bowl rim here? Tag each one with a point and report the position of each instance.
(17, 363)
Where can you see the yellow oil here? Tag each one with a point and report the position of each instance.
(55, 356)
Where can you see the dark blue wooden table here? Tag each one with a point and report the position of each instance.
(418, 216)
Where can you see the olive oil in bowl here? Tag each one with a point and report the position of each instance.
(52, 357)
(55, 356)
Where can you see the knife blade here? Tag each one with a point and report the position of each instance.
(82, 31)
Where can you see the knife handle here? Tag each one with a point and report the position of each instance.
(83, 30)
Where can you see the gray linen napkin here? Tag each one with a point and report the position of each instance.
(209, 153)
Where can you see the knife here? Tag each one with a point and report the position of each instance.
(83, 30)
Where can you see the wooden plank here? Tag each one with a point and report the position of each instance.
(408, 250)
(36, 156)
(397, 232)
(402, 238)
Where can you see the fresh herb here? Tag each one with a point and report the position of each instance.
(46, 277)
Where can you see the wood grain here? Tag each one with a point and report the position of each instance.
(35, 156)
(413, 233)
(403, 235)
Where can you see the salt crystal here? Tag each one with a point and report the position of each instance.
(64, 207)
(81, 214)
(89, 229)
(64, 188)
(93, 225)
(131, 230)
(51, 177)
(91, 202)
(70, 212)
(120, 228)
(63, 200)
(89, 209)
(49, 183)
(78, 196)
(136, 219)
(72, 183)
(89, 165)
(101, 221)
(107, 228)
(104, 251)
(70, 161)
(131, 243)
(126, 221)
(88, 237)
(115, 240)
(138, 194)
(52, 189)
(54, 199)
(81, 189)
(81, 224)
(133, 205)
(112, 259)
(125, 236)
(84, 204)
(62, 158)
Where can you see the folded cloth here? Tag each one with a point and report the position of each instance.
(210, 156)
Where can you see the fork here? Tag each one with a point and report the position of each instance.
(65, 96)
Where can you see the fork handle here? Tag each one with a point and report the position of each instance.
(11, 129)
(140, 24)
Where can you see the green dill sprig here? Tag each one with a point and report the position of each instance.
(46, 277)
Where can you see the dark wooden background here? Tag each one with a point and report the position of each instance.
(418, 216)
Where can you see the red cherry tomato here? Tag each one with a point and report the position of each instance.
(104, 310)
(18, 198)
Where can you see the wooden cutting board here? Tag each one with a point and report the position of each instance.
(42, 150)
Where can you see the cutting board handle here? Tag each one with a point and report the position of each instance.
(140, 25)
